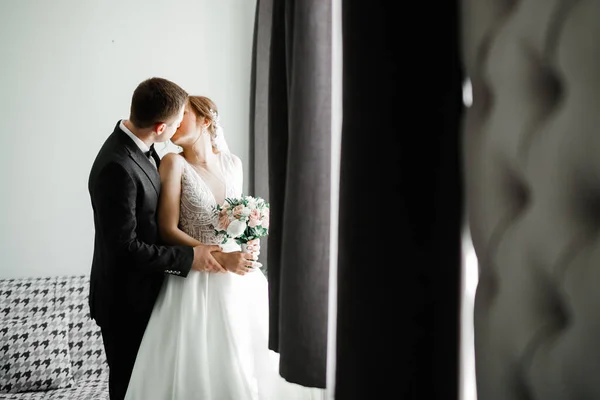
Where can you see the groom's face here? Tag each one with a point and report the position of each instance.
(171, 126)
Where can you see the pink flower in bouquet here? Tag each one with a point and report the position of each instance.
(224, 219)
(238, 211)
(265, 218)
(254, 218)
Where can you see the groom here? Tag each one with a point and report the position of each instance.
(129, 263)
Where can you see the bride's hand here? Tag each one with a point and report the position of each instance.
(237, 262)
(253, 247)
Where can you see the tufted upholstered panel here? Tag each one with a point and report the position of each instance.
(532, 165)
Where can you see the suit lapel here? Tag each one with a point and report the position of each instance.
(142, 161)
(139, 158)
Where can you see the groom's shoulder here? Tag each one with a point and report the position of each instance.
(111, 152)
(113, 148)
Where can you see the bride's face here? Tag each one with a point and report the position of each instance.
(188, 129)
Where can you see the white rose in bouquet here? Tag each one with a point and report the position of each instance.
(236, 228)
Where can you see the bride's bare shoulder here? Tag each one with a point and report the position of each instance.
(171, 161)
(172, 157)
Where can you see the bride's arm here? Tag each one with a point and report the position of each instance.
(171, 169)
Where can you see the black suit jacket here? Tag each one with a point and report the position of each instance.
(129, 263)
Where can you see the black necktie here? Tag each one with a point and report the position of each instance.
(152, 155)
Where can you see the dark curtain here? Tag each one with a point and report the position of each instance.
(291, 125)
(400, 202)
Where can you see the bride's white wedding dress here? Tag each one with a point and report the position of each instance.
(207, 338)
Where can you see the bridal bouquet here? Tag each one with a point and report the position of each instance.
(243, 219)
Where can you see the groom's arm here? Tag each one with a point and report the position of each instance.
(115, 203)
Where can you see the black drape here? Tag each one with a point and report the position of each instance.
(400, 202)
(299, 159)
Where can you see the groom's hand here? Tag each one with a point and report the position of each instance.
(204, 260)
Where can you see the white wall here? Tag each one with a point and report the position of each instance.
(67, 72)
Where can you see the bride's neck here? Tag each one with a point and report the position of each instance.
(200, 154)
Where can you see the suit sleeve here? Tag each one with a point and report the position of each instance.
(115, 203)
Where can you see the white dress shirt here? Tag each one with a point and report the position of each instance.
(140, 143)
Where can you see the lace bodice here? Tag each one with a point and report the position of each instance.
(197, 215)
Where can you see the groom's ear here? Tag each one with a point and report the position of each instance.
(160, 128)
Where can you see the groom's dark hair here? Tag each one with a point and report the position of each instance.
(154, 101)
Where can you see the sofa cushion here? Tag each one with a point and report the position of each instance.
(85, 339)
(26, 297)
(34, 354)
(91, 389)
(96, 389)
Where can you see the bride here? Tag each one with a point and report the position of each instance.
(207, 338)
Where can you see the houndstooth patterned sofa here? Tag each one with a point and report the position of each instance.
(49, 346)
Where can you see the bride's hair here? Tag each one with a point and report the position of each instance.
(206, 108)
